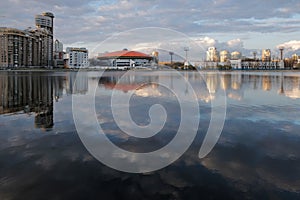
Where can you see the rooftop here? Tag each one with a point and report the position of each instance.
(125, 54)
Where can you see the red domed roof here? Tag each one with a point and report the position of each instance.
(125, 54)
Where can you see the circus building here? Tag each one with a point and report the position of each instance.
(126, 59)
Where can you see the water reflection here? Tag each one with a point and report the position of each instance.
(207, 85)
(35, 93)
(257, 156)
(29, 94)
(77, 83)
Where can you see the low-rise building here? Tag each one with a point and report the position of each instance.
(126, 59)
(58, 54)
(76, 57)
(236, 64)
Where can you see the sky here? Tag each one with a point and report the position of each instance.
(245, 26)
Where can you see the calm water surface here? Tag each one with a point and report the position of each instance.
(256, 157)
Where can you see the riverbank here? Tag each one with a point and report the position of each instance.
(158, 69)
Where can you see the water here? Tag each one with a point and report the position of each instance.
(256, 157)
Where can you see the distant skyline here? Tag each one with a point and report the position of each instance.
(245, 26)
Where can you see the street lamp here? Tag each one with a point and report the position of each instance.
(186, 63)
(281, 48)
(171, 54)
(254, 55)
(186, 49)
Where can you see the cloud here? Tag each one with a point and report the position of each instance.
(124, 4)
(235, 43)
(94, 21)
(206, 41)
(293, 45)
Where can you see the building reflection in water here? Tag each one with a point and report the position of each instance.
(30, 93)
(225, 82)
(266, 83)
(236, 81)
(292, 90)
(127, 83)
(281, 89)
(35, 92)
(77, 83)
(207, 85)
(257, 156)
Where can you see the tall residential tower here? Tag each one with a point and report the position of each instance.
(45, 22)
(30, 47)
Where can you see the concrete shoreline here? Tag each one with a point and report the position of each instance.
(144, 70)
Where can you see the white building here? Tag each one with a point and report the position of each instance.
(126, 59)
(212, 55)
(236, 64)
(77, 57)
(236, 55)
(266, 55)
(224, 56)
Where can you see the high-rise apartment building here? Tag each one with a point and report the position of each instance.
(212, 55)
(266, 55)
(45, 22)
(30, 47)
(224, 56)
(15, 48)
